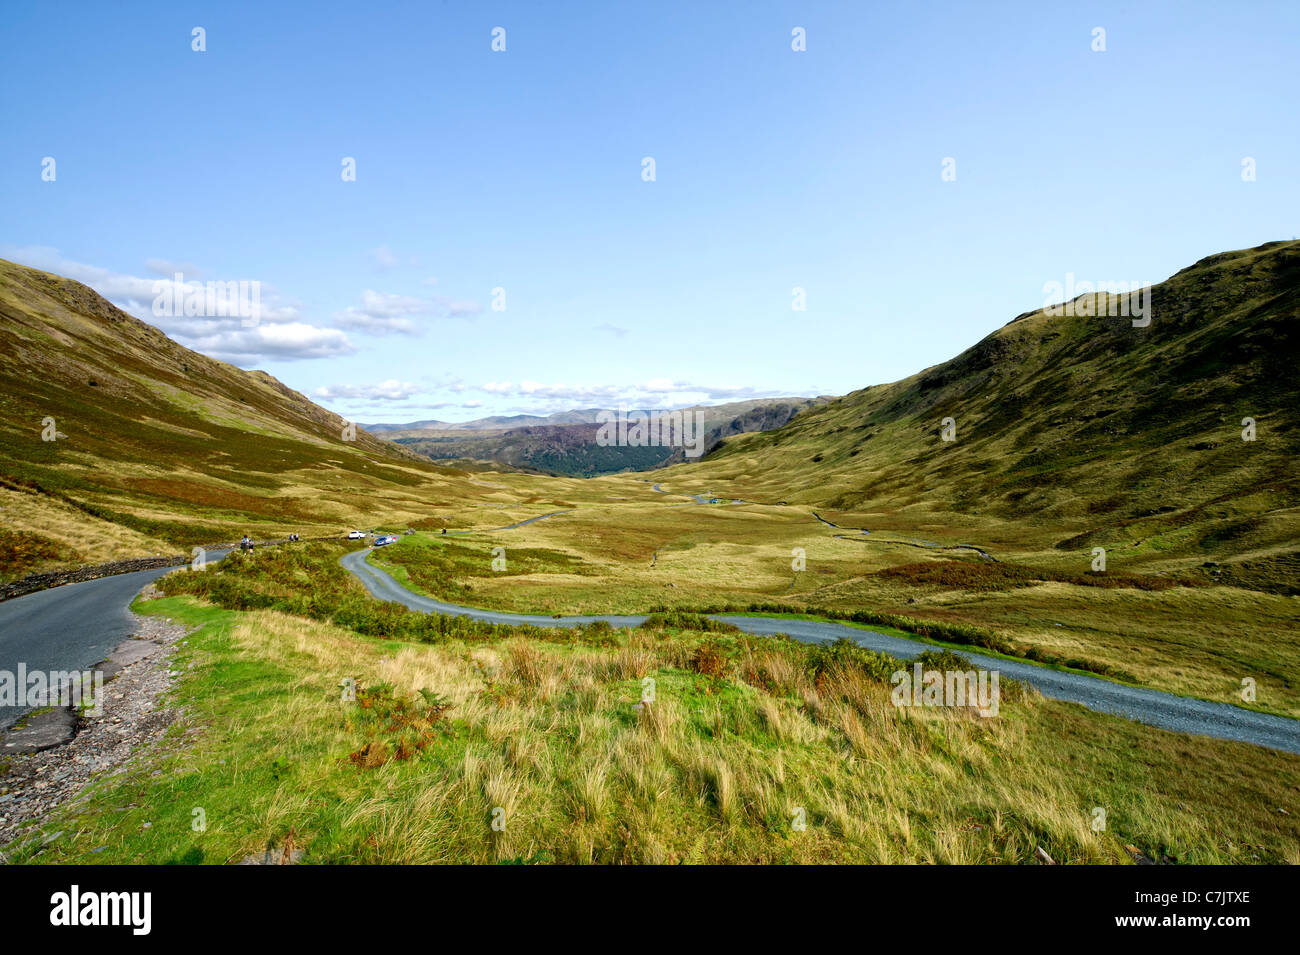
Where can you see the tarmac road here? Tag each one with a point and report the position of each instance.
(1156, 708)
(70, 628)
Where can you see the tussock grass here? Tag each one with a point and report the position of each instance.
(787, 754)
(1037, 603)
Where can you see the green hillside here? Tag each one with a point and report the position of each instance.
(159, 448)
(1079, 431)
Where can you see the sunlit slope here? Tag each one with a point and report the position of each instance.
(160, 447)
(1084, 428)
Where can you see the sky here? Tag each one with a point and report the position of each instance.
(913, 178)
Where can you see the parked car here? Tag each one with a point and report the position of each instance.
(386, 539)
(356, 535)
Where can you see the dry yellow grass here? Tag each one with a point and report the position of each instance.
(86, 539)
(548, 754)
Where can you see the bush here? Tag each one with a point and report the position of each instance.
(681, 620)
(709, 660)
(273, 579)
(826, 658)
(395, 727)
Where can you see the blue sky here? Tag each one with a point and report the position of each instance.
(522, 170)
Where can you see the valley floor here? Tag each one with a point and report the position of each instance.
(517, 748)
(1152, 619)
(753, 750)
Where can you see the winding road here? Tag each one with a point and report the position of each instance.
(1165, 710)
(77, 625)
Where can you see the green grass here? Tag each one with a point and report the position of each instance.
(1189, 635)
(743, 734)
(164, 449)
(450, 567)
(307, 580)
(1073, 434)
(441, 568)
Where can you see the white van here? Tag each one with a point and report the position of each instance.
(356, 535)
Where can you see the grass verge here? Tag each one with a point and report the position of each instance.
(513, 749)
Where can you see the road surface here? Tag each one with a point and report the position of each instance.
(1165, 710)
(75, 626)
(70, 628)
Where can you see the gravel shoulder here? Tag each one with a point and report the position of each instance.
(34, 785)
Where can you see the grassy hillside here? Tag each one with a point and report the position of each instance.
(173, 460)
(562, 449)
(750, 751)
(1072, 433)
(161, 448)
(1075, 431)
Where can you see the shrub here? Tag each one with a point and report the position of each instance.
(681, 620)
(709, 660)
(396, 727)
(825, 659)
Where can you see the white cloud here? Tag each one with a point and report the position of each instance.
(384, 312)
(168, 269)
(383, 258)
(656, 393)
(381, 312)
(460, 309)
(247, 347)
(391, 390)
(280, 333)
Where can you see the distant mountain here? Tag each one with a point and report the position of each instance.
(410, 426)
(493, 423)
(566, 442)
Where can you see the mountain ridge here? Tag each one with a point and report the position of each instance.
(572, 449)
